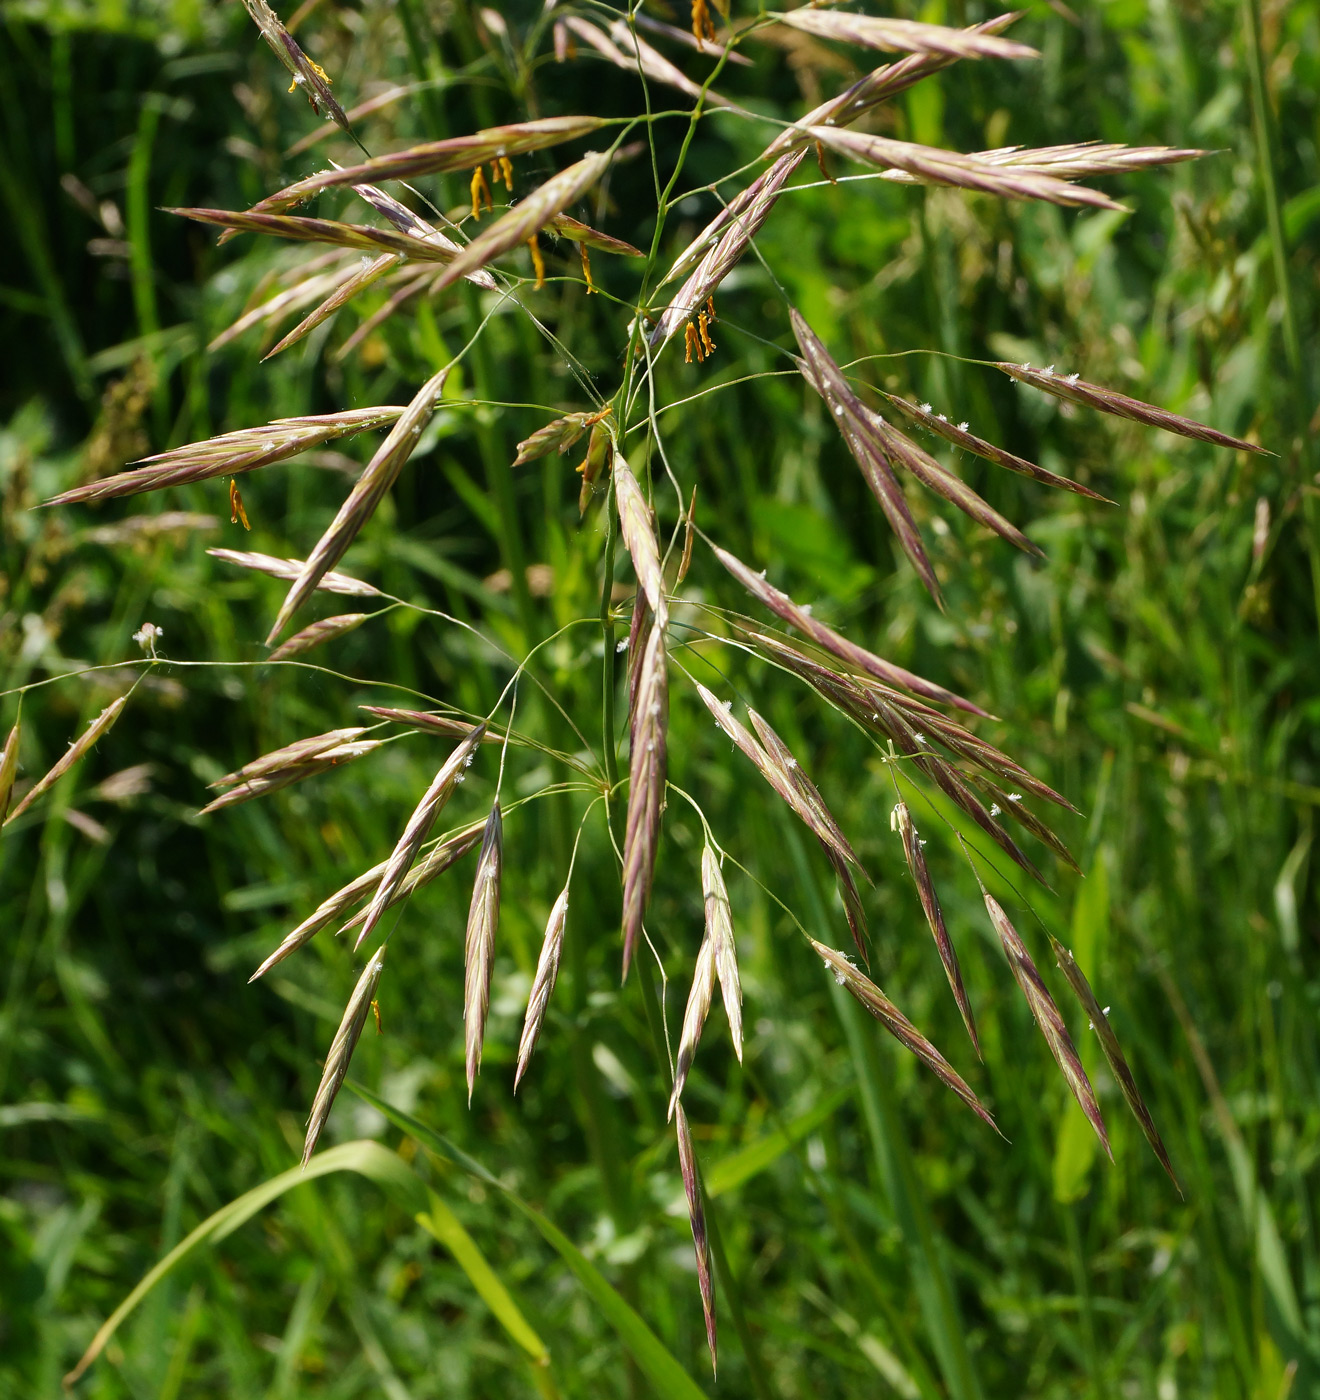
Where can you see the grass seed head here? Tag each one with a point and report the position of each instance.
(543, 984)
(902, 35)
(639, 537)
(99, 726)
(1046, 1015)
(330, 582)
(687, 1162)
(479, 952)
(9, 766)
(646, 787)
(419, 827)
(319, 632)
(341, 1050)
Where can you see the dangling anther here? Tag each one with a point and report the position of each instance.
(710, 310)
(703, 325)
(702, 27)
(586, 268)
(820, 161)
(538, 262)
(237, 515)
(480, 191)
(690, 343)
(506, 172)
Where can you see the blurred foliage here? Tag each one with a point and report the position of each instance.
(1161, 670)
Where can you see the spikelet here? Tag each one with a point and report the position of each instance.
(99, 726)
(902, 36)
(557, 436)
(9, 767)
(319, 632)
(852, 419)
(341, 1050)
(1046, 1015)
(817, 818)
(892, 1019)
(342, 294)
(1077, 390)
(547, 970)
(527, 217)
(1113, 1053)
(306, 74)
(299, 229)
(878, 86)
(969, 442)
(931, 165)
(455, 153)
(479, 950)
(930, 905)
(830, 640)
(646, 787)
(445, 853)
(717, 959)
(231, 453)
(562, 226)
(380, 474)
(293, 771)
(687, 1161)
(290, 569)
(436, 724)
(639, 538)
(288, 756)
(419, 827)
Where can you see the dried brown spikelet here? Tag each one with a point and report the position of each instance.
(639, 538)
(341, 1050)
(1077, 390)
(379, 475)
(1113, 1053)
(250, 788)
(454, 153)
(330, 582)
(892, 1019)
(1046, 1015)
(930, 905)
(324, 631)
(99, 726)
(479, 949)
(308, 75)
(852, 419)
(646, 787)
(565, 227)
(829, 640)
(687, 1162)
(543, 984)
(527, 217)
(231, 453)
(878, 86)
(979, 447)
(902, 36)
(419, 825)
(9, 767)
(936, 166)
(821, 824)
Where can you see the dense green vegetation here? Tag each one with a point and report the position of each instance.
(1160, 669)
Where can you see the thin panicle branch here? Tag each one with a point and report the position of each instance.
(479, 947)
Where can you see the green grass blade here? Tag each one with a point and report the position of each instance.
(738, 1167)
(367, 1158)
(651, 1355)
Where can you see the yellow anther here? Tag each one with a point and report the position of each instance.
(237, 515)
(538, 262)
(586, 268)
(706, 342)
(480, 191)
(702, 26)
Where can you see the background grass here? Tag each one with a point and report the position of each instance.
(1161, 670)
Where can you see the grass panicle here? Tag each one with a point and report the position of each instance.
(100, 726)
(479, 945)
(543, 984)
